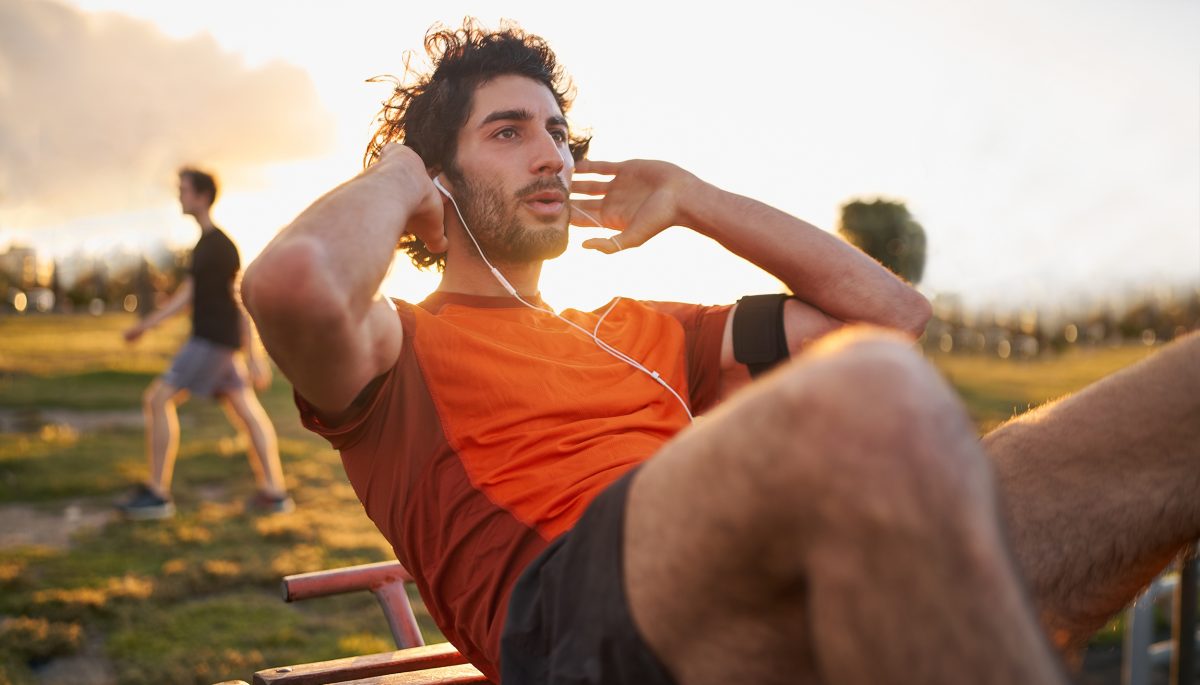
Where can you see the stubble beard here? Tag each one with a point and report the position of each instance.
(505, 238)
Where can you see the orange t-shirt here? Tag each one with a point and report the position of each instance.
(497, 427)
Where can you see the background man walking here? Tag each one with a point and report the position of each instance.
(208, 365)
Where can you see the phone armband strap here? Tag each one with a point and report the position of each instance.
(759, 340)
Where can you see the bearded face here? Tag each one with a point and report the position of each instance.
(505, 230)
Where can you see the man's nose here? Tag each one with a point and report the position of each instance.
(548, 155)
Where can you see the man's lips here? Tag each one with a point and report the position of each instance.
(546, 202)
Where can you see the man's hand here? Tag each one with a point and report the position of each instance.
(406, 168)
(133, 333)
(259, 370)
(643, 198)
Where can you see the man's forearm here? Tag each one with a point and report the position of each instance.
(816, 266)
(180, 299)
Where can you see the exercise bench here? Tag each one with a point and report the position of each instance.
(413, 663)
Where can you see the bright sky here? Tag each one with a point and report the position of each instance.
(1049, 147)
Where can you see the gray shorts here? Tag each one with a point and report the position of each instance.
(206, 369)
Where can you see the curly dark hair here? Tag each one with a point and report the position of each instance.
(426, 110)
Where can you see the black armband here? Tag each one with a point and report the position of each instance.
(759, 339)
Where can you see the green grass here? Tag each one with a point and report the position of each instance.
(995, 390)
(192, 599)
(195, 599)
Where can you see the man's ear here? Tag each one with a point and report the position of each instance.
(435, 174)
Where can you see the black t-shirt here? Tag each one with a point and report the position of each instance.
(215, 265)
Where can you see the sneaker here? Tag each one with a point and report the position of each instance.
(263, 503)
(144, 505)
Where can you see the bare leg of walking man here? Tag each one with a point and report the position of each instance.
(246, 414)
(153, 499)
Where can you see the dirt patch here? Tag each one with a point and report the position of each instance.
(50, 526)
(80, 421)
(89, 667)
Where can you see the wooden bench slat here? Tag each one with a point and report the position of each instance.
(448, 675)
(357, 667)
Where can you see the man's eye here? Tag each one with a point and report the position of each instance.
(506, 133)
(559, 136)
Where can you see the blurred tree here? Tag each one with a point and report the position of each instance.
(60, 299)
(146, 286)
(885, 230)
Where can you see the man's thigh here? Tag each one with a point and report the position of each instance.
(851, 449)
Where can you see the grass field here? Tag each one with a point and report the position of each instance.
(195, 599)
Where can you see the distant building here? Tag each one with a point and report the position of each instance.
(20, 265)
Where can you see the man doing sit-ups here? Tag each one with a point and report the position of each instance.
(606, 497)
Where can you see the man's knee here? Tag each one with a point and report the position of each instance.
(243, 403)
(158, 394)
(869, 434)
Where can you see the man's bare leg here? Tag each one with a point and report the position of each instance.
(835, 524)
(246, 413)
(162, 433)
(1100, 490)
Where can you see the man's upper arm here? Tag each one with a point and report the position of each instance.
(331, 377)
(327, 354)
(802, 324)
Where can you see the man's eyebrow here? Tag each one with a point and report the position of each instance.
(520, 115)
(507, 115)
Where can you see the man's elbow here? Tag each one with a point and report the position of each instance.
(282, 281)
(913, 314)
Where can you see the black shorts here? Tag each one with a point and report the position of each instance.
(568, 617)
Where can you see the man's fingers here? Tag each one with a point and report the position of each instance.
(615, 243)
(434, 238)
(437, 243)
(590, 187)
(589, 166)
(651, 219)
(429, 223)
(610, 245)
(433, 232)
(586, 213)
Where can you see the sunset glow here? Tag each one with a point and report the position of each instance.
(1047, 148)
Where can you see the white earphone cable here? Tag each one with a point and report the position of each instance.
(594, 334)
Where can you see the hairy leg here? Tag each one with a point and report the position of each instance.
(162, 432)
(1101, 489)
(247, 414)
(835, 523)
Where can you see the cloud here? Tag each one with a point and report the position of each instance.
(98, 110)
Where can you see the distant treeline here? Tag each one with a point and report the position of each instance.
(1148, 317)
(137, 283)
(129, 281)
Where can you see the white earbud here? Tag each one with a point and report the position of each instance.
(437, 182)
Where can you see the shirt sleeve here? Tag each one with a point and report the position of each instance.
(347, 430)
(704, 331)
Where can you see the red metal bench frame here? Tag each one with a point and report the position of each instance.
(414, 663)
